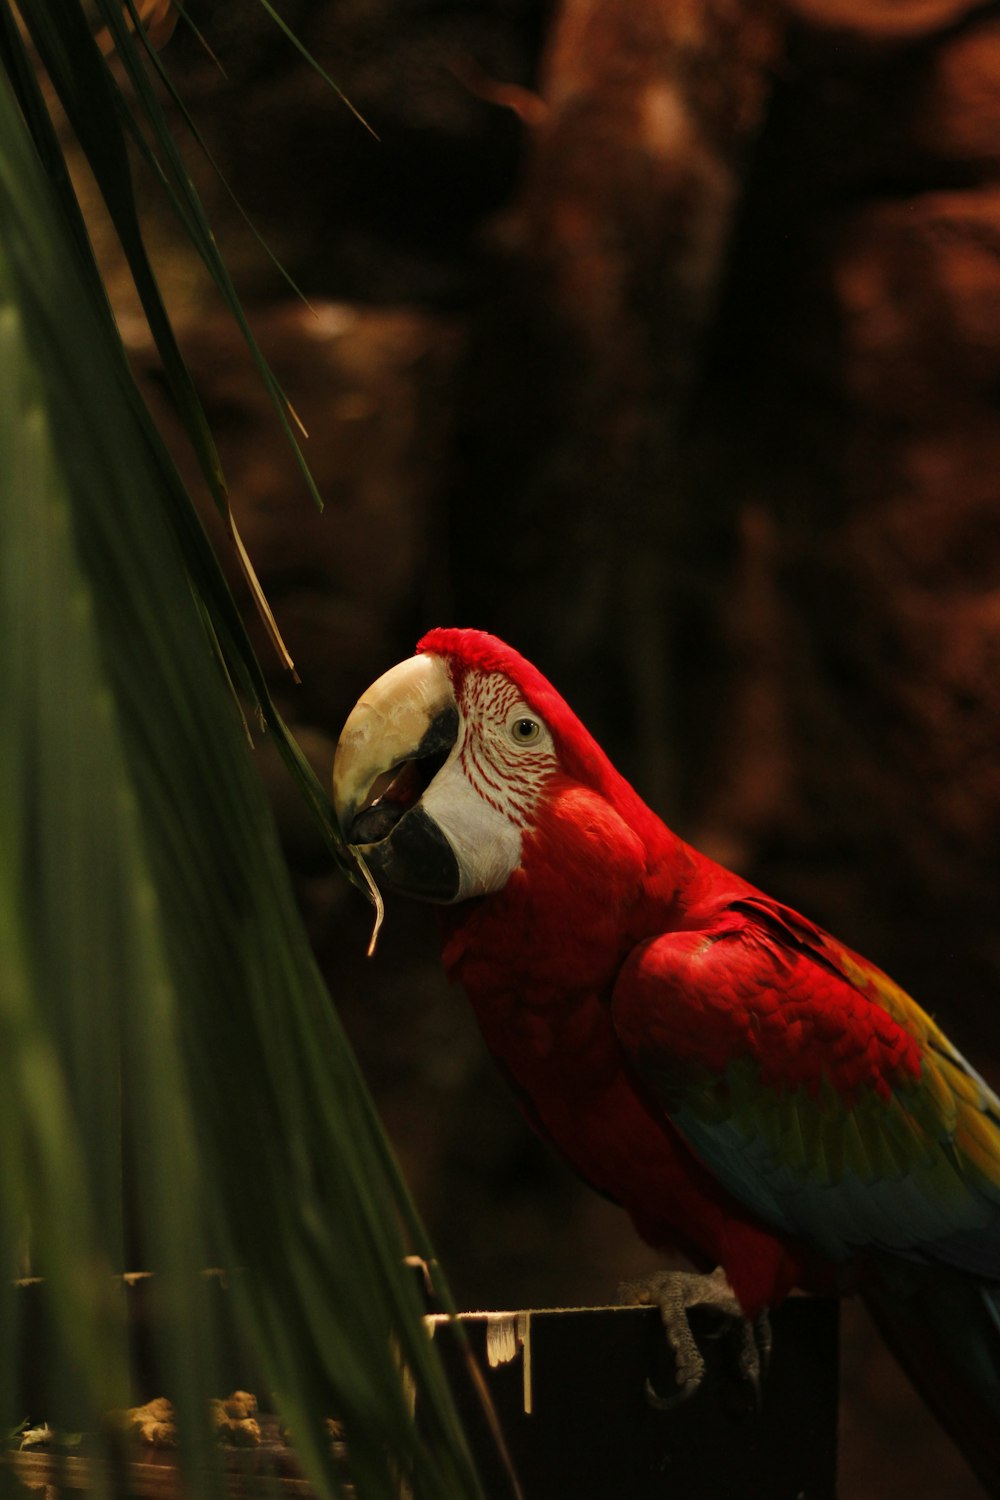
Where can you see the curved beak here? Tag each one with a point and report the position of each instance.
(397, 737)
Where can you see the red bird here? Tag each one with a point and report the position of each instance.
(747, 1088)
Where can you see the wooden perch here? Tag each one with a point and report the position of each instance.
(568, 1387)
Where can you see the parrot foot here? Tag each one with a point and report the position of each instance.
(676, 1293)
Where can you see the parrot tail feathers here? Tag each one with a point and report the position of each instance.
(945, 1331)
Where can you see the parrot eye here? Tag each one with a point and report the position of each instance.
(524, 731)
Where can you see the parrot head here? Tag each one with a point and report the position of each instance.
(443, 761)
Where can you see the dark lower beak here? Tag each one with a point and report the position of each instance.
(413, 858)
(402, 846)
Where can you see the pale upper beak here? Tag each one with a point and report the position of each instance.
(396, 738)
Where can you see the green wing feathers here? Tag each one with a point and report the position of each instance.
(816, 1090)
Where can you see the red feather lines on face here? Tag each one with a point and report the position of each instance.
(475, 657)
(506, 779)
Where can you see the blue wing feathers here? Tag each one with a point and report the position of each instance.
(912, 1168)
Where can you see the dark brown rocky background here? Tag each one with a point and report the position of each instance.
(663, 340)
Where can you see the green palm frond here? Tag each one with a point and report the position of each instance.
(173, 1078)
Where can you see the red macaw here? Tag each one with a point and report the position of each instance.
(746, 1087)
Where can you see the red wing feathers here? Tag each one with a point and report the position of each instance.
(817, 1091)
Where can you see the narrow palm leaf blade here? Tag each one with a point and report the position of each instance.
(246, 1128)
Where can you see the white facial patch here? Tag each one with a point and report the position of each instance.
(486, 843)
(483, 797)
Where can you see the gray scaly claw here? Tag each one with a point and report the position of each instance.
(675, 1293)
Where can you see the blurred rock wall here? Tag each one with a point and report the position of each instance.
(664, 341)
